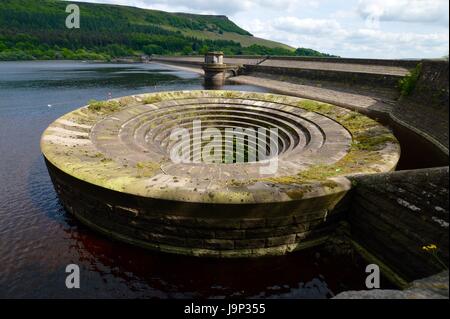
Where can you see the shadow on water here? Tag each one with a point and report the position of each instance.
(43, 195)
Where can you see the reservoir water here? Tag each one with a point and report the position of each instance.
(38, 239)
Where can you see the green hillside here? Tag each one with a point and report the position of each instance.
(32, 29)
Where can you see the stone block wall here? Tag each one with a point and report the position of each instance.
(199, 229)
(432, 88)
(395, 214)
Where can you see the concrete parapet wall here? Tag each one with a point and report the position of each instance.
(384, 80)
(409, 64)
(395, 214)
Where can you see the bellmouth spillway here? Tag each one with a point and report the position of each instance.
(111, 165)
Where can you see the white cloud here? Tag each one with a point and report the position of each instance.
(328, 35)
(421, 11)
(228, 7)
(306, 26)
(351, 28)
(236, 6)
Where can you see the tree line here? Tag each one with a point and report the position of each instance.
(36, 30)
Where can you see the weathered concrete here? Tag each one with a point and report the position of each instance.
(434, 287)
(356, 102)
(429, 123)
(355, 74)
(215, 74)
(432, 87)
(339, 66)
(110, 166)
(395, 214)
(214, 69)
(426, 110)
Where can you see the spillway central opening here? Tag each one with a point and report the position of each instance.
(223, 133)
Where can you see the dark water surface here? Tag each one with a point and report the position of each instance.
(38, 239)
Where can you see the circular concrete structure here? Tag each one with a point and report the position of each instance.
(112, 166)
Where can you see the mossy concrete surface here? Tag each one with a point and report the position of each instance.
(87, 144)
(110, 165)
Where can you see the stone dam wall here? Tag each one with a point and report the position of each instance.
(196, 228)
(425, 110)
(360, 78)
(432, 87)
(253, 59)
(382, 73)
(394, 215)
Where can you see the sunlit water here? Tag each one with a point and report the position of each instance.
(38, 239)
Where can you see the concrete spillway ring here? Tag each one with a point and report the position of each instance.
(112, 167)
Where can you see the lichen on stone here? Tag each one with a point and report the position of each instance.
(147, 169)
(104, 107)
(368, 136)
(366, 152)
(152, 99)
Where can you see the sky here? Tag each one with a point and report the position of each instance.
(348, 28)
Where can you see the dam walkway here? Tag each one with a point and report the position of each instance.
(350, 66)
(364, 85)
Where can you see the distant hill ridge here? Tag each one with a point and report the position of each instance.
(36, 30)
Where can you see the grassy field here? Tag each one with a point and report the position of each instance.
(244, 40)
